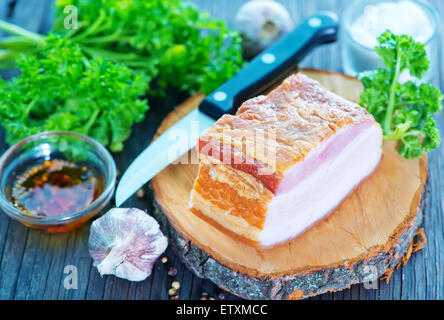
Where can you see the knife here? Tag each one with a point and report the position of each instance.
(269, 66)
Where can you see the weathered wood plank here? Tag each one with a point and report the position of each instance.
(29, 260)
(32, 263)
(48, 18)
(39, 269)
(4, 225)
(81, 260)
(6, 9)
(16, 235)
(12, 259)
(422, 277)
(433, 255)
(30, 14)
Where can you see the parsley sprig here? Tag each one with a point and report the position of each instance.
(89, 79)
(404, 110)
(60, 89)
(170, 41)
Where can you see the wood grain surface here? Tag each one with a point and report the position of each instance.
(32, 263)
(372, 228)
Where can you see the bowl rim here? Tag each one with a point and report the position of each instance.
(346, 20)
(109, 164)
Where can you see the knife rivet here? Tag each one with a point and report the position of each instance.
(314, 22)
(268, 58)
(220, 96)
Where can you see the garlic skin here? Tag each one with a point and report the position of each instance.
(261, 23)
(126, 243)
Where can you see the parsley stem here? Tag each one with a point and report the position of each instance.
(112, 55)
(91, 121)
(104, 39)
(25, 115)
(11, 28)
(391, 105)
(17, 43)
(412, 133)
(71, 33)
(7, 56)
(92, 29)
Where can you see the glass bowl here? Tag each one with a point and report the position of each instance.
(48, 146)
(357, 57)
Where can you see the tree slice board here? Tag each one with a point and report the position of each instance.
(363, 238)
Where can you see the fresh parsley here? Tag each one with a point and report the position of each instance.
(88, 79)
(404, 110)
(60, 89)
(170, 41)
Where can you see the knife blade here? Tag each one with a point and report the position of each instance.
(262, 72)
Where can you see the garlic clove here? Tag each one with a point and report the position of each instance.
(126, 243)
(261, 23)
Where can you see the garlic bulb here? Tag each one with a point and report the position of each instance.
(126, 243)
(261, 22)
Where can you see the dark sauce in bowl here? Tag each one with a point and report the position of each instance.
(55, 188)
(56, 181)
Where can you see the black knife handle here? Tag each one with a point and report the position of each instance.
(284, 55)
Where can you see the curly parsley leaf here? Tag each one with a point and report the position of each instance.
(59, 89)
(404, 110)
(171, 41)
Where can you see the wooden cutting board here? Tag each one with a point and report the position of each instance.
(365, 236)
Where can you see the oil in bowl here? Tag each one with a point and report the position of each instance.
(56, 188)
(56, 181)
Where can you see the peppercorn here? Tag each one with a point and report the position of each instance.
(140, 193)
(172, 272)
(176, 285)
(172, 292)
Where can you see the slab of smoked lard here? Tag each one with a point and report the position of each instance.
(283, 162)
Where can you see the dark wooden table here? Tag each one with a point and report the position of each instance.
(32, 263)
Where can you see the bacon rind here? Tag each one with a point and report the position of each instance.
(296, 118)
(300, 113)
